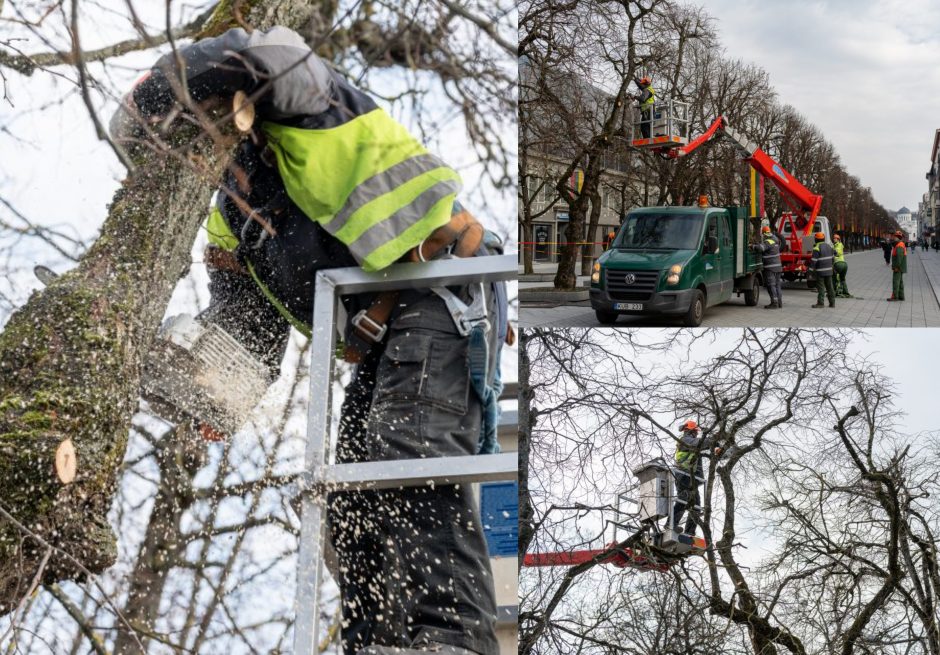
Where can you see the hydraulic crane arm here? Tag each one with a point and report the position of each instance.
(801, 200)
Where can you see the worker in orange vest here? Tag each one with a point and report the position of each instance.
(898, 267)
(609, 239)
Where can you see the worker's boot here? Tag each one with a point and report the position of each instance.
(430, 647)
(773, 304)
(818, 305)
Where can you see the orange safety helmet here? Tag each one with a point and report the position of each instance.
(765, 229)
(645, 80)
(819, 236)
(690, 425)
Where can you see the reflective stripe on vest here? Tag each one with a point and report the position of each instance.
(823, 262)
(368, 182)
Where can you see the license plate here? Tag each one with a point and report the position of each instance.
(629, 306)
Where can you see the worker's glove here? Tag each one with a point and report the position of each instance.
(718, 452)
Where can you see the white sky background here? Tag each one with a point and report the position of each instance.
(866, 72)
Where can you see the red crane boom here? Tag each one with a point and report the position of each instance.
(801, 200)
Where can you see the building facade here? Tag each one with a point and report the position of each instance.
(931, 201)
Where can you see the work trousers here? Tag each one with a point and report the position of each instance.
(413, 563)
(772, 280)
(687, 499)
(645, 122)
(841, 268)
(897, 285)
(824, 289)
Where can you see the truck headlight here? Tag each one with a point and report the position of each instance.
(596, 275)
(674, 272)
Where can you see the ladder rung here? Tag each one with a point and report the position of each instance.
(390, 474)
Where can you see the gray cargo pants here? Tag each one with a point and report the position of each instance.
(413, 563)
(772, 280)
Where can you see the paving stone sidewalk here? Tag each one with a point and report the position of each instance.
(869, 279)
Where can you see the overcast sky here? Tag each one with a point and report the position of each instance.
(866, 72)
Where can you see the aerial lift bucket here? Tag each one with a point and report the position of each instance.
(652, 547)
(664, 126)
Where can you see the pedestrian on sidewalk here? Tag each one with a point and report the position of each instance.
(886, 249)
(841, 268)
(898, 267)
(821, 265)
(769, 248)
(913, 245)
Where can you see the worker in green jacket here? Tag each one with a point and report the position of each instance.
(841, 268)
(898, 267)
(821, 265)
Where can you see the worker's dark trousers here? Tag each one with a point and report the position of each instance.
(686, 491)
(841, 268)
(772, 280)
(646, 123)
(413, 564)
(825, 289)
(897, 285)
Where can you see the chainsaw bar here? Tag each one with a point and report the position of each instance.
(198, 370)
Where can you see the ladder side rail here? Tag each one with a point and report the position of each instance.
(313, 508)
(330, 284)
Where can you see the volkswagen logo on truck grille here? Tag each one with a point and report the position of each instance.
(629, 278)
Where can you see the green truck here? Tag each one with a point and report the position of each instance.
(676, 261)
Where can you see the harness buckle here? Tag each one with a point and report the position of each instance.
(368, 326)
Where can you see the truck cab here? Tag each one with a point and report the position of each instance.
(676, 261)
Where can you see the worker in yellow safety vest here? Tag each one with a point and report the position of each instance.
(329, 179)
(646, 98)
(840, 267)
(690, 449)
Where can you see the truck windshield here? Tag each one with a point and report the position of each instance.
(660, 232)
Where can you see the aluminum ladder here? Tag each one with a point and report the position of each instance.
(319, 469)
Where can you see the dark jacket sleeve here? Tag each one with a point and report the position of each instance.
(697, 444)
(294, 81)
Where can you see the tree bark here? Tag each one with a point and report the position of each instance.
(70, 357)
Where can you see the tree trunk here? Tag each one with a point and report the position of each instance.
(70, 358)
(587, 257)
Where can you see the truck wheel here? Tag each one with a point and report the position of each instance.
(606, 318)
(752, 295)
(693, 317)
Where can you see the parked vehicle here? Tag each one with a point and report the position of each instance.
(676, 261)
